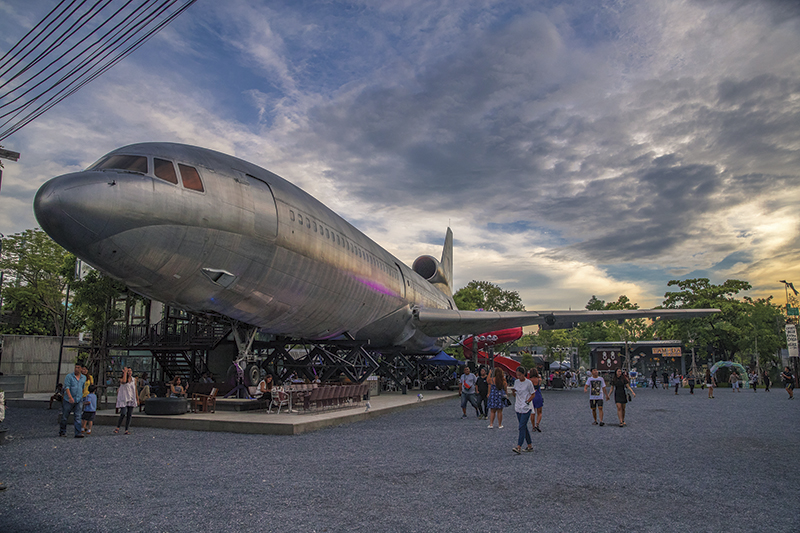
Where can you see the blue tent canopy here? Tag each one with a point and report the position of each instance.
(442, 359)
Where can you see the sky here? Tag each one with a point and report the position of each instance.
(575, 148)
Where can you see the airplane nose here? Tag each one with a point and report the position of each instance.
(69, 212)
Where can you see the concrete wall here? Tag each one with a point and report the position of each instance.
(36, 357)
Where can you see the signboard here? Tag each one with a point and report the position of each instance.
(792, 311)
(608, 360)
(791, 340)
(672, 351)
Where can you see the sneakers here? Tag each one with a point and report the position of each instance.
(602, 423)
(527, 450)
(500, 427)
(517, 450)
(594, 423)
(490, 426)
(463, 416)
(79, 436)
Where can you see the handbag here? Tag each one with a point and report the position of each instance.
(506, 402)
(628, 395)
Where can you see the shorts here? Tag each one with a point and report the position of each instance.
(88, 416)
(735, 385)
(789, 385)
(594, 404)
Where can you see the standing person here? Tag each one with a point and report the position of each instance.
(497, 391)
(89, 380)
(538, 399)
(654, 377)
(89, 410)
(690, 380)
(71, 403)
(788, 381)
(664, 380)
(734, 379)
(753, 381)
(619, 384)
(523, 393)
(596, 386)
(126, 399)
(767, 381)
(483, 394)
(711, 382)
(676, 381)
(466, 389)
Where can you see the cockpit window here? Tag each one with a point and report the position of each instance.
(134, 163)
(190, 177)
(165, 170)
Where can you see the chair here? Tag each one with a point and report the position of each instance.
(312, 398)
(205, 403)
(279, 399)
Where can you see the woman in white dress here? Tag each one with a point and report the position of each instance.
(126, 399)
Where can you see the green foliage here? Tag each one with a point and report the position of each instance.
(487, 296)
(90, 303)
(720, 333)
(34, 283)
(527, 361)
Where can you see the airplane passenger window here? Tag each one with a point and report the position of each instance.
(190, 177)
(134, 163)
(315, 227)
(326, 233)
(291, 215)
(337, 240)
(300, 218)
(308, 222)
(165, 170)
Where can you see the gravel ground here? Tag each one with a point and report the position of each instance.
(683, 463)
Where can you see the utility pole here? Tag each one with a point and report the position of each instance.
(6, 154)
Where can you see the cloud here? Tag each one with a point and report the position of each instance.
(576, 148)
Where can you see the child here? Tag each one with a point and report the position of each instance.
(89, 409)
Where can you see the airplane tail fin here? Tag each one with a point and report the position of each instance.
(438, 273)
(447, 260)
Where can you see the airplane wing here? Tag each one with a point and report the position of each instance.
(449, 322)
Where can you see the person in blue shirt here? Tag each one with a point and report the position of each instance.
(72, 402)
(89, 409)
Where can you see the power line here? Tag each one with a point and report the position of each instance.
(77, 55)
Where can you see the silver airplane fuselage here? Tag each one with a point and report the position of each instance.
(208, 232)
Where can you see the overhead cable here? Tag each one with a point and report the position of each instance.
(72, 60)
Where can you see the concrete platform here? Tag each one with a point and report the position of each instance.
(261, 422)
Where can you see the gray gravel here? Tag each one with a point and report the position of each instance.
(684, 463)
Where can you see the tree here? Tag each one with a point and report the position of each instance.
(91, 302)
(719, 334)
(487, 296)
(35, 278)
(762, 332)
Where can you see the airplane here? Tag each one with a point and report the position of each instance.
(210, 233)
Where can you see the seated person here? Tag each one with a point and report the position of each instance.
(144, 391)
(57, 396)
(206, 378)
(264, 390)
(176, 390)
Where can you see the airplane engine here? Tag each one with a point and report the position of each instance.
(429, 268)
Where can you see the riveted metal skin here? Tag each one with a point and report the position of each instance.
(250, 246)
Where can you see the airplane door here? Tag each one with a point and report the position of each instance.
(265, 208)
(256, 198)
(403, 281)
